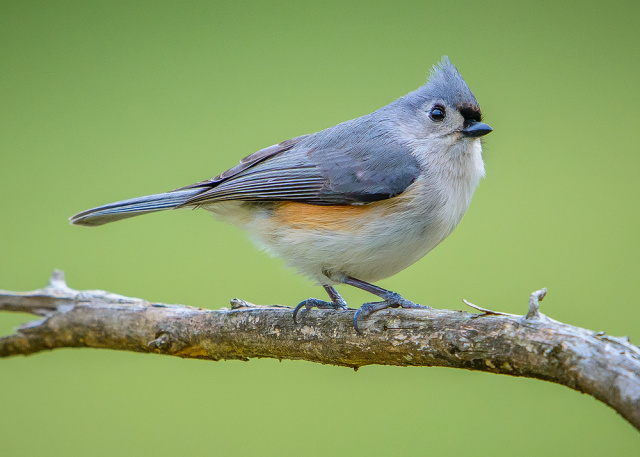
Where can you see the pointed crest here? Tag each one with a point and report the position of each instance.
(446, 83)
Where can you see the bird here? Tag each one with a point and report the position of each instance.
(354, 203)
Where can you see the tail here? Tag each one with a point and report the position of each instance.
(133, 207)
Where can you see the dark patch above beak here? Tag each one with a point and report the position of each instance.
(476, 129)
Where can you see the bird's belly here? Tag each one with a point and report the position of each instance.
(368, 242)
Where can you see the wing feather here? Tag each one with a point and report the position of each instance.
(351, 163)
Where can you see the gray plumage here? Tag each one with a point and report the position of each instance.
(324, 168)
(132, 207)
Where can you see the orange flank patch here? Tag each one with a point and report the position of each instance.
(349, 218)
(329, 217)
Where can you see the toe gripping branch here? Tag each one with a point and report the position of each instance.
(390, 300)
(337, 302)
(368, 309)
(310, 303)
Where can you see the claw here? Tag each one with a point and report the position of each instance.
(297, 308)
(366, 310)
(355, 321)
(310, 303)
(369, 308)
(301, 305)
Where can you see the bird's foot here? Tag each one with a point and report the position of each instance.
(392, 300)
(310, 303)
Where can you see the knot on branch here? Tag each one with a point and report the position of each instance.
(166, 342)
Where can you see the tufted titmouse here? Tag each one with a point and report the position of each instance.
(354, 203)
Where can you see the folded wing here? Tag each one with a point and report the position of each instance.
(334, 167)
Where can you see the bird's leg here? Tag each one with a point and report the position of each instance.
(337, 302)
(391, 300)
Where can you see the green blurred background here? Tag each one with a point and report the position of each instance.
(101, 101)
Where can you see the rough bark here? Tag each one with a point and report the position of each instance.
(533, 345)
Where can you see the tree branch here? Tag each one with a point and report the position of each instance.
(534, 345)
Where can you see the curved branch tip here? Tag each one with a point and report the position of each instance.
(534, 304)
(57, 280)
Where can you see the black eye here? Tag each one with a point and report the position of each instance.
(437, 113)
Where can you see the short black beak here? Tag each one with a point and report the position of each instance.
(476, 130)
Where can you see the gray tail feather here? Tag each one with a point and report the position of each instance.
(133, 207)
